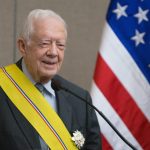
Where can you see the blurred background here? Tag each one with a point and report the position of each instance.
(85, 19)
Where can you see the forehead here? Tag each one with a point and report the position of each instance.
(49, 27)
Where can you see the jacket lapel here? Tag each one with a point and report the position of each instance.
(64, 109)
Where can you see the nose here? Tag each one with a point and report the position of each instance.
(52, 50)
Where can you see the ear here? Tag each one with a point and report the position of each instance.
(22, 46)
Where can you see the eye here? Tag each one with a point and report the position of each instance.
(61, 45)
(44, 44)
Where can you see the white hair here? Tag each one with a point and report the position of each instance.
(38, 14)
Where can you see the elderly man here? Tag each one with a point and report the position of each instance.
(33, 114)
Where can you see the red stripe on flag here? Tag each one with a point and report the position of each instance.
(106, 145)
(122, 102)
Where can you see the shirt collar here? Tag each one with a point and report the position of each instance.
(47, 85)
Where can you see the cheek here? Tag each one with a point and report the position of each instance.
(34, 54)
(33, 58)
(61, 56)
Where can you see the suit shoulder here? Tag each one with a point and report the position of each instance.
(71, 86)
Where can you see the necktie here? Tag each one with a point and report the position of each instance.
(40, 87)
(44, 146)
(47, 94)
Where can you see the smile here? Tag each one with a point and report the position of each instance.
(49, 62)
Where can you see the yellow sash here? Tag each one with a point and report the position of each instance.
(35, 108)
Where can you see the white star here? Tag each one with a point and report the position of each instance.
(138, 38)
(120, 10)
(141, 15)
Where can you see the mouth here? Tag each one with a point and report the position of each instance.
(49, 62)
(50, 65)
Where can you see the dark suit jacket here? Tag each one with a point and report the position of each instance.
(16, 133)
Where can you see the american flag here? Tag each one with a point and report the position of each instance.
(121, 82)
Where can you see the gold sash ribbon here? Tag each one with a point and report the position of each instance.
(35, 108)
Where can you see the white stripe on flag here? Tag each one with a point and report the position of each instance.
(102, 104)
(114, 53)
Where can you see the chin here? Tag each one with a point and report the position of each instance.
(49, 74)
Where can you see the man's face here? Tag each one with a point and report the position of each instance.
(44, 53)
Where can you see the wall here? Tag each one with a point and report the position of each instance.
(85, 19)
